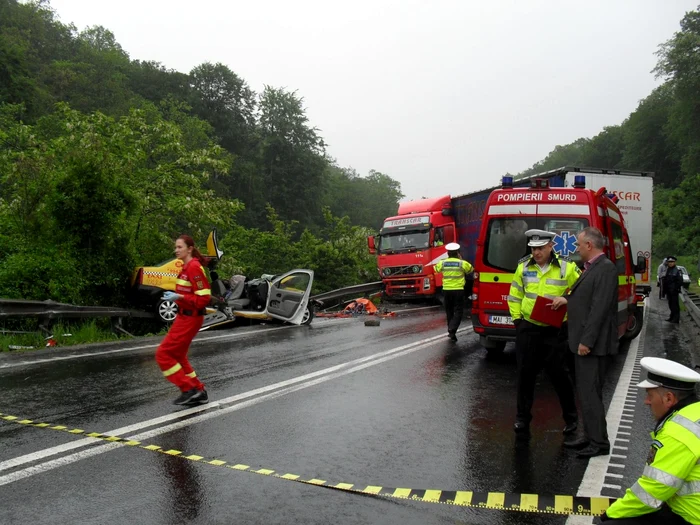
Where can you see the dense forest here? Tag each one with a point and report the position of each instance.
(662, 135)
(104, 160)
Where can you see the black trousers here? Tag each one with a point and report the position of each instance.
(590, 374)
(454, 308)
(674, 306)
(663, 516)
(537, 348)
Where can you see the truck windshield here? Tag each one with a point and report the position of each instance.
(403, 241)
(506, 243)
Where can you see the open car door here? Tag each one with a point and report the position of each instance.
(289, 294)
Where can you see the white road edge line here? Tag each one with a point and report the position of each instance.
(198, 339)
(66, 447)
(594, 478)
(72, 458)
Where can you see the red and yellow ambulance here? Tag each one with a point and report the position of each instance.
(510, 212)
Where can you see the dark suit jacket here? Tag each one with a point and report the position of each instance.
(592, 309)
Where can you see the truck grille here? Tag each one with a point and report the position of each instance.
(392, 271)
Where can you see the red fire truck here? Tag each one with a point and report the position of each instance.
(511, 211)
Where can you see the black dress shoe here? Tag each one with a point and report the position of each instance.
(570, 428)
(577, 443)
(592, 451)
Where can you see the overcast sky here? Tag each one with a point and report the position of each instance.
(443, 96)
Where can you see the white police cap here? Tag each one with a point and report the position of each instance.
(539, 237)
(452, 247)
(669, 374)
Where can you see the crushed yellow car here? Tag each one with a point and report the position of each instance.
(148, 283)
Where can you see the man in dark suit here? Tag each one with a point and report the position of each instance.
(592, 314)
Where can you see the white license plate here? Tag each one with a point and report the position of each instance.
(501, 319)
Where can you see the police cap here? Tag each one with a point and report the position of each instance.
(539, 237)
(669, 374)
(670, 258)
(452, 247)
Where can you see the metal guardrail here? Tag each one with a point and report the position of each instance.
(692, 305)
(48, 311)
(348, 291)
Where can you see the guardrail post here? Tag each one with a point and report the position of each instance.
(118, 328)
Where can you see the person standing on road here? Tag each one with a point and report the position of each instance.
(660, 273)
(453, 270)
(192, 295)
(668, 492)
(592, 327)
(537, 345)
(673, 281)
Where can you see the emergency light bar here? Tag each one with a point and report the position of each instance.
(507, 182)
(579, 181)
(540, 184)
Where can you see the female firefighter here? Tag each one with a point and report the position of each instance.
(192, 295)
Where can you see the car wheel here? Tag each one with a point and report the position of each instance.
(308, 315)
(166, 311)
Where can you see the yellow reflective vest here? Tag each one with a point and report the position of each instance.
(453, 271)
(529, 282)
(672, 472)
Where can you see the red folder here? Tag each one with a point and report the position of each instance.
(543, 313)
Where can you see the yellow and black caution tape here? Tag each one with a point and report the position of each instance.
(566, 505)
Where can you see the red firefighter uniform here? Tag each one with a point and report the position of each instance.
(171, 355)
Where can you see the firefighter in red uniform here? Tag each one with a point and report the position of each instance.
(192, 295)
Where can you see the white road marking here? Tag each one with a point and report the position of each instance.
(198, 339)
(225, 406)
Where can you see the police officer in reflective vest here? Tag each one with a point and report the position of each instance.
(453, 270)
(668, 492)
(538, 345)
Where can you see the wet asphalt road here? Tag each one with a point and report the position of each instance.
(396, 405)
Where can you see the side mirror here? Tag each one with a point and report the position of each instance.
(641, 265)
(371, 245)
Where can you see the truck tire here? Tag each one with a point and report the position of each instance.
(166, 311)
(634, 330)
(308, 315)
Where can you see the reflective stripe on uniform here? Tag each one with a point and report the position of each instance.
(557, 282)
(688, 488)
(192, 374)
(513, 299)
(182, 282)
(206, 291)
(170, 371)
(517, 286)
(645, 497)
(688, 424)
(530, 280)
(531, 295)
(662, 477)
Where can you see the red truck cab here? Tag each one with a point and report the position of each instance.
(410, 243)
(509, 213)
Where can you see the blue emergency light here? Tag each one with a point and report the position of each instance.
(507, 182)
(579, 181)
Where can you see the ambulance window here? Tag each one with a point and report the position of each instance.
(618, 248)
(506, 243)
(566, 229)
